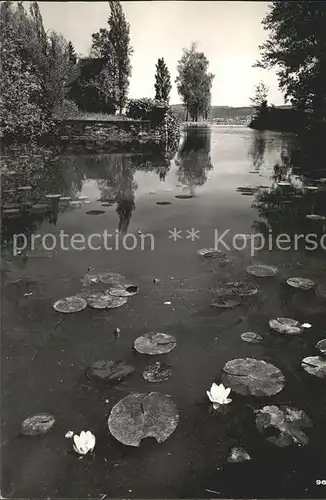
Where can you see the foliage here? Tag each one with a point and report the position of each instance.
(72, 53)
(146, 109)
(194, 83)
(259, 100)
(35, 68)
(68, 109)
(162, 81)
(297, 47)
(113, 45)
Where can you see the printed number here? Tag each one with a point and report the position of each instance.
(321, 482)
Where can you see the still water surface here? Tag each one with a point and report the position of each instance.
(45, 353)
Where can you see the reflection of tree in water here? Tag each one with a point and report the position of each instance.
(283, 209)
(257, 149)
(193, 158)
(119, 186)
(45, 173)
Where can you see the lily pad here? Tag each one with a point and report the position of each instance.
(53, 196)
(321, 345)
(82, 198)
(108, 278)
(226, 303)
(255, 377)
(251, 337)
(24, 188)
(140, 415)
(37, 425)
(103, 300)
(163, 203)
(109, 371)
(287, 421)
(261, 270)
(315, 365)
(247, 189)
(70, 304)
(127, 290)
(95, 212)
(237, 288)
(284, 183)
(301, 283)
(11, 211)
(155, 343)
(75, 203)
(184, 196)
(211, 252)
(65, 198)
(315, 217)
(286, 326)
(157, 372)
(238, 454)
(311, 188)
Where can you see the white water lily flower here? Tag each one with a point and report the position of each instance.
(84, 443)
(306, 325)
(218, 395)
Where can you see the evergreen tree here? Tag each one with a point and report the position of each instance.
(72, 53)
(162, 81)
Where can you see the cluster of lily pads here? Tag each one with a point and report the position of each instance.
(153, 414)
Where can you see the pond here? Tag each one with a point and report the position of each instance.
(230, 180)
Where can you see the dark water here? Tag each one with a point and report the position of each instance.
(45, 353)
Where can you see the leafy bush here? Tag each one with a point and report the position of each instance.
(68, 109)
(147, 109)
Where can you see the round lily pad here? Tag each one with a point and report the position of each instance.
(284, 183)
(286, 326)
(163, 203)
(37, 425)
(95, 212)
(301, 283)
(75, 203)
(238, 454)
(65, 198)
(287, 422)
(311, 188)
(82, 198)
(226, 303)
(70, 304)
(262, 270)
(109, 371)
(210, 252)
(247, 189)
(103, 300)
(315, 217)
(321, 345)
(127, 290)
(155, 343)
(113, 279)
(184, 196)
(255, 377)
(11, 211)
(52, 196)
(315, 365)
(251, 337)
(157, 372)
(24, 188)
(236, 288)
(140, 415)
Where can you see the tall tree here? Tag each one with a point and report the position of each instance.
(297, 47)
(259, 99)
(162, 81)
(72, 53)
(113, 45)
(194, 82)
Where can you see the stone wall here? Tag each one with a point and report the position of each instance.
(102, 131)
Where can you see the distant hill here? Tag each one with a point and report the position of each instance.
(221, 111)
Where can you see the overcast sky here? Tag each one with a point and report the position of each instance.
(227, 32)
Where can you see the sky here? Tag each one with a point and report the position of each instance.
(228, 33)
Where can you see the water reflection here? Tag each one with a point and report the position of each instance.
(294, 194)
(28, 178)
(193, 158)
(257, 149)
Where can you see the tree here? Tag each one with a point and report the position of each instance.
(162, 81)
(297, 47)
(194, 83)
(259, 100)
(72, 57)
(114, 46)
